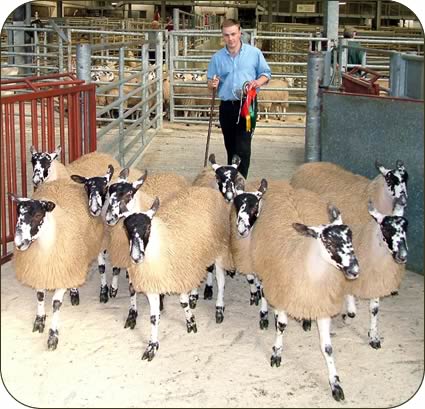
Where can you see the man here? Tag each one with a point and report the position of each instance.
(232, 67)
(354, 56)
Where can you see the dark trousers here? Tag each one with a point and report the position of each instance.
(236, 139)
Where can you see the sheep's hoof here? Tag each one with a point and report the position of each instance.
(351, 314)
(264, 320)
(39, 323)
(161, 302)
(375, 343)
(275, 359)
(231, 273)
(219, 314)
(75, 297)
(208, 292)
(337, 392)
(307, 325)
(150, 350)
(394, 293)
(53, 340)
(191, 326)
(193, 299)
(104, 290)
(131, 319)
(112, 292)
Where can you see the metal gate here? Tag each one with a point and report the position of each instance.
(44, 111)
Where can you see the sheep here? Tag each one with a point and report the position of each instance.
(172, 249)
(222, 178)
(46, 169)
(351, 193)
(381, 248)
(126, 195)
(56, 240)
(303, 267)
(266, 97)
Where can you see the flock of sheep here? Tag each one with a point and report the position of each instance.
(307, 246)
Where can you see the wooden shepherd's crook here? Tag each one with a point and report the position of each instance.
(209, 126)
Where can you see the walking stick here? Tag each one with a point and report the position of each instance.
(209, 126)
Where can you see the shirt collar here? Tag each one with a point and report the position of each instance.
(240, 49)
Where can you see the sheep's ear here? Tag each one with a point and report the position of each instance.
(374, 212)
(109, 173)
(154, 208)
(78, 179)
(400, 165)
(124, 174)
(398, 207)
(334, 214)
(139, 182)
(236, 161)
(56, 153)
(211, 158)
(33, 150)
(381, 168)
(17, 199)
(305, 230)
(263, 186)
(239, 187)
(48, 205)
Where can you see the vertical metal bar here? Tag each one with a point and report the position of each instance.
(315, 73)
(397, 75)
(60, 62)
(50, 124)
(34, 123)
(92, 119)
(43, 124)
(37, 52)
(171, 77)
(71, 130)
(176, 19)
(62, 126)
(23, 146)
(159, 95)
(121, 107)
(3, 184)
(84, 62)
(14, 176)
(77, 124)
(9, 127)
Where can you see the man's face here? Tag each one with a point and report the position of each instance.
(232, 36)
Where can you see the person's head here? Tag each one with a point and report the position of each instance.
(349, 32)
(231, 30)
(155, 24)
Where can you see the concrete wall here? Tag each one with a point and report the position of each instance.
(356, 130)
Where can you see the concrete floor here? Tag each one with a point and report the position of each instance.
(97, 363)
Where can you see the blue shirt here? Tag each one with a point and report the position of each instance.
(249, 64)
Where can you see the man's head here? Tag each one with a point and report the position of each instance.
(349, 32)
(231, 30)
(155, 24)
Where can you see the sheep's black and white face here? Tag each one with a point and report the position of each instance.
(41, 164)
(121, 197)
(396, 181)
(248, 208)
(336, 241)
(96, 189)
(394, 232)
(138, 229)
(226, 177)
(31, 216)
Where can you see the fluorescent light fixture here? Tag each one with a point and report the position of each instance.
(341, 3)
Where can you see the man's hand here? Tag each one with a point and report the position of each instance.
(214, 82)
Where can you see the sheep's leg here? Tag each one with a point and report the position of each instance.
(208, 292)
(103, 297)
(75, 296)
(161, 301)
(193, 298)
(113, 289)
(264, 313)
(350, 306)
(306, 324)
(190, 318)
(219, 305)
(254, 289)
(153, 345)
(374, 338)
(324, 326)
(57, 300)
(281, 323)
(40, 318)
(132, 312)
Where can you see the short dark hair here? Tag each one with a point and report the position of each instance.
(349, 32)
(229, 22)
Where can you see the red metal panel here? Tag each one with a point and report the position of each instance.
(56, 108)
